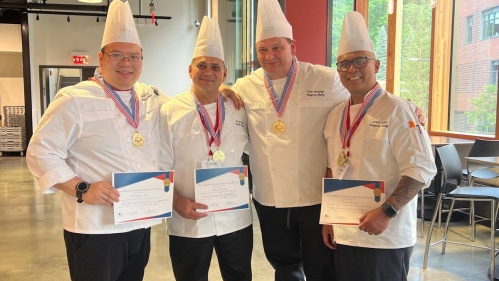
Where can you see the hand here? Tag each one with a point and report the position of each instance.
(420, 115)
(374, 222)
(187, 208)
(101, 193)
(328, 236)
(228, 93)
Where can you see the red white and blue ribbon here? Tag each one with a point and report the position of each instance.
(347, 129)
(215, 132)
(280, 103)
(131, 114)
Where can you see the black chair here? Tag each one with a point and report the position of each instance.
(451, 164)
(481, 148)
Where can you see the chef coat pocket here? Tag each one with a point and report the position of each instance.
(376, 143)
(187, 136)
(96, 111)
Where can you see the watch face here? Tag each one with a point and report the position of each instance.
(82, 186)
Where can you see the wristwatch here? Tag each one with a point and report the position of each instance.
(388, 210)
(81, 188)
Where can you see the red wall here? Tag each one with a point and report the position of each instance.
(309, 21)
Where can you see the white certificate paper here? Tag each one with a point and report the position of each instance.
(143, 196)
(222, 189)
(345, 201)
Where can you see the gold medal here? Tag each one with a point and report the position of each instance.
(138, 139)
(279, 127)
(219, 156)
(342, 159)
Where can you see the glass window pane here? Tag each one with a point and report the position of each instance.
(415, 55)
(378, 30)
(473, 99)
(339, 9)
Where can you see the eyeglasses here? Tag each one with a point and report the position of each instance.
(117, 58)
(359, 62)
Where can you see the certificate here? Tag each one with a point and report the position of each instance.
(345, 201)
(222, 189)
(143, 196)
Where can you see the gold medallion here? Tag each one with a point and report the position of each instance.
(342, 159)
(219, 156)
(138, 139)
(279, 127)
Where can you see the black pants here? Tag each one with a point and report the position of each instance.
(108, 257)
(292, 241)
(191, 257)
(367, 264)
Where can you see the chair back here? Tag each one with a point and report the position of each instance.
(484, 148)
(451, 164)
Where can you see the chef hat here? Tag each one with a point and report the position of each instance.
(209, 43)
(120, 26)
(354, 35)
(271, 21)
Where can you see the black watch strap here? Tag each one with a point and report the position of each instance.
(81, 188)
(389, 210)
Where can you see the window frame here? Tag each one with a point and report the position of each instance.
(469, 29)
(495, 12)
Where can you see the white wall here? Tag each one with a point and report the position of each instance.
(167, 48)
(10, 38)
(11, 86)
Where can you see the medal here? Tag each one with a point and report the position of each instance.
(213, 132)
(131, 114)
(219, 156)
(342, 159)
(138, 139)
(279, 127)
(280, 103)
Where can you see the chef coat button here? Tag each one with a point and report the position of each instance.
(293, 170)
(138, 165)
(149, 136)
(232, 150)
(128, 140)
(294, 125)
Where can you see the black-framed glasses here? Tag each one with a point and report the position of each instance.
(359, 62)
(116, 58)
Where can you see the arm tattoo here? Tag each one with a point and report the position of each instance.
(406, 189)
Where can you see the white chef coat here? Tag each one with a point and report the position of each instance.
(83, 134)
(384, 147)
(184, 145)
(288, 168)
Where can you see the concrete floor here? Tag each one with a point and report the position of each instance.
(32, 247)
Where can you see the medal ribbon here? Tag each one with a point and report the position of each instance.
(215, 132)
(280, 103)
(132, 115)
(347, 129)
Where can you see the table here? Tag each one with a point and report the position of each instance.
(489, 161)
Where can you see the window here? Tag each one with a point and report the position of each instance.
(490, 22)
(378, 31)
(339, 9)
(469, 29)
(415, 54)
(472, 96)
(494, 71)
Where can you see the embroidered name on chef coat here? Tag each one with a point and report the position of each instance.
(315, 93)
(379, 124)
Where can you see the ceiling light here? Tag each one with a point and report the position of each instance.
(90, 1)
